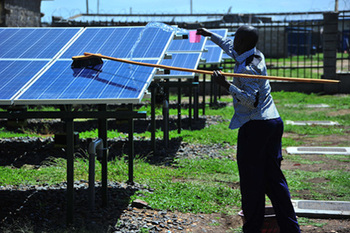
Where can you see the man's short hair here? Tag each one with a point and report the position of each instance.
(248, 37)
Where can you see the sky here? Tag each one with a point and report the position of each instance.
(68, 8)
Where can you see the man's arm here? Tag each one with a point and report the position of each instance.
(248, 95)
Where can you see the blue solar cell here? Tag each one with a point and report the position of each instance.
(184, 45)
(111, 82)
(34, 42)
(15, 74)
(185, 60)
(120, 42)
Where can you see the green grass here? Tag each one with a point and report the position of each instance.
(335, 187)
(210, 185)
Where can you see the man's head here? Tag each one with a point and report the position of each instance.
(246, 38)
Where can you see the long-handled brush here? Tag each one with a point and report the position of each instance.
(91, 59)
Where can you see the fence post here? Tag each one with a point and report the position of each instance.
(330, 41)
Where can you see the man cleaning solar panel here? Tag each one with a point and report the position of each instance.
(259, 152)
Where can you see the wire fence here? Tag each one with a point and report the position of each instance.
(291, 42)
(294, 47)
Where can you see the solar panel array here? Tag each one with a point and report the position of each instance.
(37, 64)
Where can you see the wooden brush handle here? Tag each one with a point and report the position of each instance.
(308, 80)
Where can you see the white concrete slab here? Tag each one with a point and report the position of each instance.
(317, 106)
(312, 208)
(311, 122)
(319, 150)
(308, 105)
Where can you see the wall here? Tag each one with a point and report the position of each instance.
(21, 13)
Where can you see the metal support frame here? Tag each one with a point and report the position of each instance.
(166, 114)
(196, 100)
(179, 121)
(131, 148)
(204, 90)
(166, 85)
(70, 169)
(153, 117)
(190, 106)
(68, 116)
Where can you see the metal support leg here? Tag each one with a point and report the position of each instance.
(131, 149)
(203, 83)
(211, 91)
(215, 93)
(190, 106)
(153, 119)
(166, 115)
(195, 100)
(102, 133)
(166, 122)
(70, 170)
(179, 125)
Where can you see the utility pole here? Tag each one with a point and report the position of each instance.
(336, 6)
(98, 6)
(87, 6)
(191, 6)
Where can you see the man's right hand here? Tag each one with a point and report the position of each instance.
(203, 32)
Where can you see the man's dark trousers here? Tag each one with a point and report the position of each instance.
(259, 156)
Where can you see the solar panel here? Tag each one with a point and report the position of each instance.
(40, 72)
(185, 60)
(112, 82)
(120, 42)
(34, 42)
(14, 75)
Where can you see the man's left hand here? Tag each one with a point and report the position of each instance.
(220, 79)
